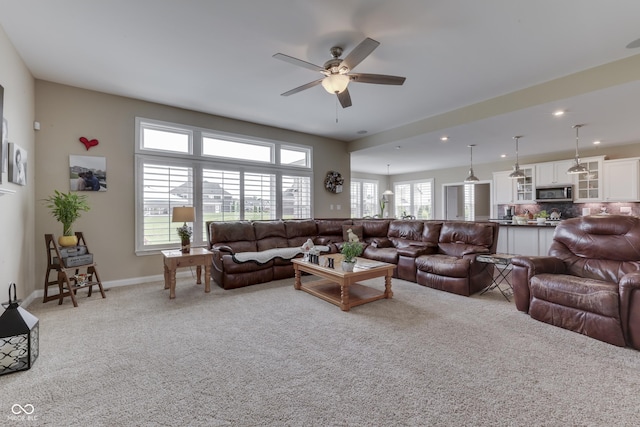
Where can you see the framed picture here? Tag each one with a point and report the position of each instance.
(87, 173)
(5, 145)
(17, 164)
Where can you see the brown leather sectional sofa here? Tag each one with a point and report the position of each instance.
(438, 254)
(590, 281)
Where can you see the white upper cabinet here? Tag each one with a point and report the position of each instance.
(507, 190)
(502, 188)
(588, 186)
(620, 178)
(553, 173)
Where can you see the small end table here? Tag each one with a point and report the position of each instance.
(175, 259)
(502, 264)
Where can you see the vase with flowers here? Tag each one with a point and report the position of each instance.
(185, 233)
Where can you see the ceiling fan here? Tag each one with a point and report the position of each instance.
(337, 72)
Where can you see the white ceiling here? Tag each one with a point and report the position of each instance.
(216, 57)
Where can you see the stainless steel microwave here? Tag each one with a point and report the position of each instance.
(555, 193)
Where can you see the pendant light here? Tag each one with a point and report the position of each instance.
(471, 177)
(388, 191)
(577, 167)
(517, 172)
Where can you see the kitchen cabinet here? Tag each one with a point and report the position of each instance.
(525, 240)
(507, 190)
(588, 186)
(553, 173)
(502, 188)
(620, 179)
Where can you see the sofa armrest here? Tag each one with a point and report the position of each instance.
(630, 308)
(223, 248)
(524, 268)
(414, 251)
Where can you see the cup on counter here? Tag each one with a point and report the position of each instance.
(586, 211)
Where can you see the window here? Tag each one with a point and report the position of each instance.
(414, 198)
(364, 198)
(217, 147)
(469, 202)
(233, 178)
(165, 138)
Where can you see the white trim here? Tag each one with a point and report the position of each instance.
(38, 294)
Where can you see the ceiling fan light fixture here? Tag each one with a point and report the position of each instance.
(335, 83)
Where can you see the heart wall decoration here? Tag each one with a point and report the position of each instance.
(89, 143)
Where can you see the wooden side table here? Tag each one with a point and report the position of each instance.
(175, 259)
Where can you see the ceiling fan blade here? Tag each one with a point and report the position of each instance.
(303, 87)
(360, 52)
(344, 98)
(298, 62)
(380, 79)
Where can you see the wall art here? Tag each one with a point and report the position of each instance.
(17, 164)
(87, 173)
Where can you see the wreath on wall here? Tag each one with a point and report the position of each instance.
(333, 182)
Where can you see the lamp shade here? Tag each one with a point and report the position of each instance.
(19, 337)
(335, 83)
(183, 214)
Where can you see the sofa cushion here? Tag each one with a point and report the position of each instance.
(595, 296)
(237, 235)
(331, 227)
(298, 231)
(470, 233)
(431, 231)
(355, 229)
(444, 265)
(373, 228)
(265, 229)
(406, 230)
(389, 255)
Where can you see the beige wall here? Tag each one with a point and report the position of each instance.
(67, 113)
(16, 210)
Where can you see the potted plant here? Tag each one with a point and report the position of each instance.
(350, 250)
(541, 217)
(66, 208)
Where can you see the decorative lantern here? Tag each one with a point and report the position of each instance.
(18, 336)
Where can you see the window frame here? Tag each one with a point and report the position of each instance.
(413, 209)
(199, 162)
(361, 201)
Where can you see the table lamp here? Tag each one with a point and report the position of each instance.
(184, 214)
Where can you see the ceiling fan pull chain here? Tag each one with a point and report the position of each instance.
(336, 109)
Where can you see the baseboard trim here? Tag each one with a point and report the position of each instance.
(38, 294)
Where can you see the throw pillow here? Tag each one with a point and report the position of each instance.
(355, 229)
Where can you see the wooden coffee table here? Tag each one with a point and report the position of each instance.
(342, 288)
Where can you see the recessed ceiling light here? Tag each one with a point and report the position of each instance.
(444, 138)
(558, 113)
(362, 132)
(503, 155)
(398, 147)
(596, 142)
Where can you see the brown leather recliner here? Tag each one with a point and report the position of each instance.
(589, 282)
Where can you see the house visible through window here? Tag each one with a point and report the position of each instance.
(225, 177)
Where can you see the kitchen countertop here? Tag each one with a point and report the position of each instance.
(508, 222)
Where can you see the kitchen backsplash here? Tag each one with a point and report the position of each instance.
(572, 210)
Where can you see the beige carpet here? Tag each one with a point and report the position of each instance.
(271, 355)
